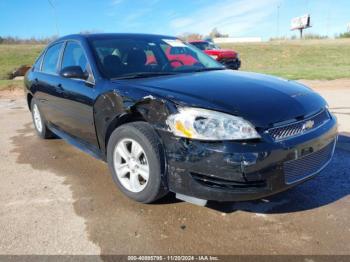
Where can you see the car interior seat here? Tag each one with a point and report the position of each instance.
(113, 66)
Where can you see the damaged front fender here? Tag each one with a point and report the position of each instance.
(121, 106)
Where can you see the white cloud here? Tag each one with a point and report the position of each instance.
(147, 2)
(181, 22)
(143, 8)
(135, 15)
(117, 2)
(231, 17)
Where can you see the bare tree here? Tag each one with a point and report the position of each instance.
(215, 33)
(190, 36)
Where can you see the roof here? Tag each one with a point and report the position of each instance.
(114, 35)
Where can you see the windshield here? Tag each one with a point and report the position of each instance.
(205, 45)
(128, 58)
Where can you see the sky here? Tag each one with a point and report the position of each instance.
(238, 18)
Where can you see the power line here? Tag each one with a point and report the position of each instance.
(55, 16)
(328, 19)
(278, 21)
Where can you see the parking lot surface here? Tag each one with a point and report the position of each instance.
(55, 199)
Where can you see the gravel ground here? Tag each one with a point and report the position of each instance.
(55, 199)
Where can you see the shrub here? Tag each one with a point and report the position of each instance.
(344, 35)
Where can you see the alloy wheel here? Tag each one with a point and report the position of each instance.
(37, 118)
(131, 165)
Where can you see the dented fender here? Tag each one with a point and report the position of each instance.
(116, 107)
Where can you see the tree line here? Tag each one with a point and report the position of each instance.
(185, 36)
(33, 40)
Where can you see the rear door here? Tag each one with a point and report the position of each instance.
(76, 102)
(46, 82)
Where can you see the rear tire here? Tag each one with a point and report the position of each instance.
(39, 121)
(136, 160)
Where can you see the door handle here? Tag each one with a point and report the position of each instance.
(59, 88)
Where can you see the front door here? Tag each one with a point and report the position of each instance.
(76, 102)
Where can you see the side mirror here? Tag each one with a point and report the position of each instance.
(74, 72)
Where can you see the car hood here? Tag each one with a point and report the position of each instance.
(223, 53)
(263, 100)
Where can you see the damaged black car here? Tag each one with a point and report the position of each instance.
(168, 118)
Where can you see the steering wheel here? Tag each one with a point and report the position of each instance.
(172, 61)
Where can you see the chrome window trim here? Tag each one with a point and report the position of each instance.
(91, 82)
(91, 74)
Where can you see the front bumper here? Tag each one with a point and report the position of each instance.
(233, 64)
(238, 171)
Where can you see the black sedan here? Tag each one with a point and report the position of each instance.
(164, 124)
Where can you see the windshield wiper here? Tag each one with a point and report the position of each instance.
(142, 75)
(209, 69)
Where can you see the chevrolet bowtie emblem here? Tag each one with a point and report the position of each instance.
(308, 125)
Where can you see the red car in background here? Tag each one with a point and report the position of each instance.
(177, 56)
(228, 58)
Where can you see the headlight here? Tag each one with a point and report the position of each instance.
(237, 56)
(205, 124)
(214, 56)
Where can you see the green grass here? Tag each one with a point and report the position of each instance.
(308, 59)
(13, 56)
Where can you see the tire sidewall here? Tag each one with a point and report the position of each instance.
(155, 166)
(42, 133)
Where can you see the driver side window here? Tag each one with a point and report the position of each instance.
(74, 56)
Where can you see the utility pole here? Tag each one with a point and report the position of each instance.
(278, 21)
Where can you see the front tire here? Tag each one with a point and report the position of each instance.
(136, 160)
(39, 121)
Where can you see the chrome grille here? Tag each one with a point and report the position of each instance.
(300, 127)
(299, 169)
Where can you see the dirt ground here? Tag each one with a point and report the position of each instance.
(55, 199)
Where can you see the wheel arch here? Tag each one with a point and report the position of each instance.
(120, 120)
